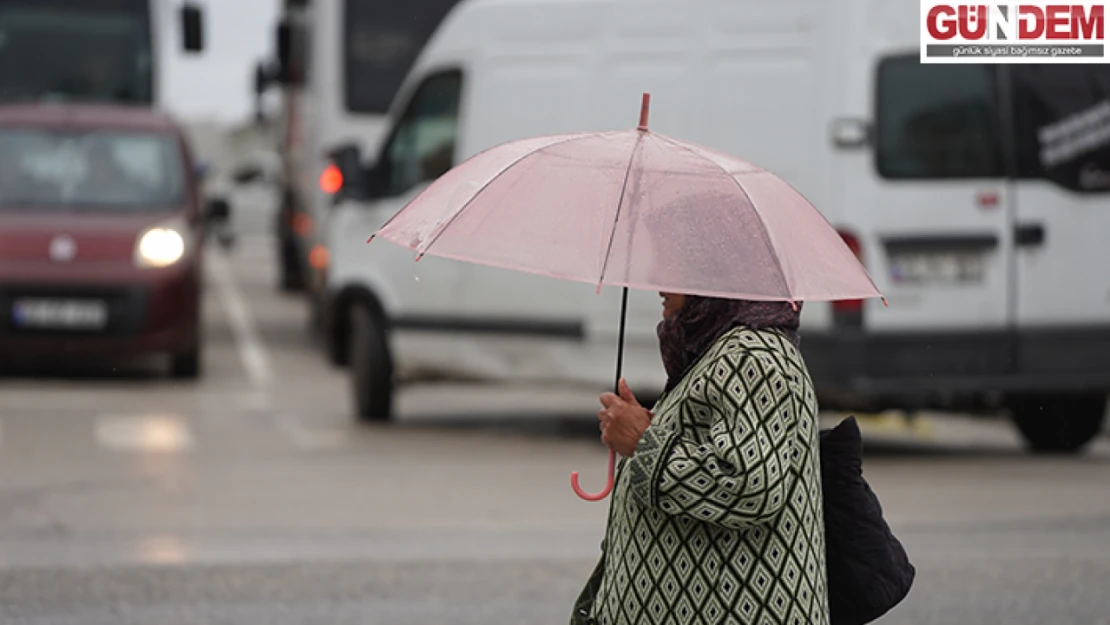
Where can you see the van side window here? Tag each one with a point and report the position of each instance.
(936, 121)
(1062, 125)
(422, 147)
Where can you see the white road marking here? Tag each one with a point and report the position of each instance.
(143, 433)
(163, 549)
(252, 351)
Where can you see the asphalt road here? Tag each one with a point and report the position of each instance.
(251, 497)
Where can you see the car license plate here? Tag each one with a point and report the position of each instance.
(938, 268)
(60, 314)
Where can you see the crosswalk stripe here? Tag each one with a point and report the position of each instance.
(252, 349)
(165, 432)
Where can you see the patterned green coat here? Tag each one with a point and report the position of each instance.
(716, 518)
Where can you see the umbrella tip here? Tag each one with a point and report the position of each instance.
(885, 303)
(645, 110)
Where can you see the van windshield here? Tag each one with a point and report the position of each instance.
(382, 40)
(99, 171)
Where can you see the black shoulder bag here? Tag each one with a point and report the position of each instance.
(868, 569)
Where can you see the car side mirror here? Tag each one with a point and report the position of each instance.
(192, 28)
(376, 182)
(218, 209)
(347, 178)
(344, 176)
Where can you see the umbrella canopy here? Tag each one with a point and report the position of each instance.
(634, 209)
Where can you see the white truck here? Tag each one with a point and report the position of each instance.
(89, 50)
(338, 65)
(969, 192)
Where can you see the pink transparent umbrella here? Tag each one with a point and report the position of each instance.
(634, 209)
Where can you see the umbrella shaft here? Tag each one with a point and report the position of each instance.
(620, 340)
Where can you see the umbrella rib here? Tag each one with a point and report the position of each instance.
(617, 216)
(763, 230)
(435, 235)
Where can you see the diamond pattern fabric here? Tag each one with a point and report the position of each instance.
(716, 518)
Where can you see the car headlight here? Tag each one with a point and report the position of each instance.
(160, 246)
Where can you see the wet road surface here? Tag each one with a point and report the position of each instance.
(251, 497)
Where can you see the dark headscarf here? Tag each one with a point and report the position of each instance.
(702, 320)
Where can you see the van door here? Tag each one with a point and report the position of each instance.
(1062, 144)
(931, 209)
(420, 148)
(1061, 134)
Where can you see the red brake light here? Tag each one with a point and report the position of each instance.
(318, 257)
(848, 305)
(853, 243)
(331, 180)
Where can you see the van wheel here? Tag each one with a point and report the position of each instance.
(371, 366)
(186, 365)
(1059, 423)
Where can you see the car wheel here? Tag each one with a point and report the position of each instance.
(371, 366)
(185, 365)
(1059, 423)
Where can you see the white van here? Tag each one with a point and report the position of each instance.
(979, 216)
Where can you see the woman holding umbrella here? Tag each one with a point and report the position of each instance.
(716, 513)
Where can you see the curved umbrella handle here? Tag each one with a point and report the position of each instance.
(608, 487)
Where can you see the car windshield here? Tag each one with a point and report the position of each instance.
(102, 170)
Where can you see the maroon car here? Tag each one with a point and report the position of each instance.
(101, 235)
